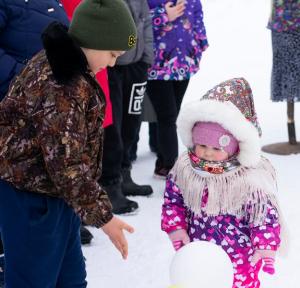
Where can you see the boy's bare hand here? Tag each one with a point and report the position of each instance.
(114, 230)
(176, 11)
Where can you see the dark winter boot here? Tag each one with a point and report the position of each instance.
(129, 188)
(121, 205)
(161, 171)
(85, 235)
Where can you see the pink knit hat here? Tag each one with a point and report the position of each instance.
(214, 135)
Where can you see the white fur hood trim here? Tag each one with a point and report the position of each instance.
(229, 117)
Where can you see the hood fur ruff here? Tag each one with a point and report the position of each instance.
(229, 117)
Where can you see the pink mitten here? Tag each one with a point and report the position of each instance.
(179, 238)
(268, 258)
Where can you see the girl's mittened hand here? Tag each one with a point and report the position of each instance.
(114, 230)
(179, 238)
(268, 259)
(176, 11)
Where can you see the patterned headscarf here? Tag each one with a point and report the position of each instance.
(229, 104)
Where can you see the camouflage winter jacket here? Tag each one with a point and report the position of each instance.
(50, 131)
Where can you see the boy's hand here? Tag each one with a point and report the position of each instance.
(114, 230)
(268, 258)
(176, 11)
(179, 238)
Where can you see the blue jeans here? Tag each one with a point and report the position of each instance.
(41, 241)
(1, 271)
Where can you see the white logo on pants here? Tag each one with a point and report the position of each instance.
(136, 98)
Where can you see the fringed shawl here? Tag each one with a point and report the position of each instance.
(233, 192)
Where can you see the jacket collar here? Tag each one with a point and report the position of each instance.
(65, 57)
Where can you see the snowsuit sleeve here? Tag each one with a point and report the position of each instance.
(199, 28)
(173, 208)
(267, 235)
(148, 55)
(63, 138)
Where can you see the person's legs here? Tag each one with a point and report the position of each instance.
(134, 87)
(153, 137)
(36, 233)
(113, 149)
(180, 89)
(163, 98)
(1, 264)
(113, 146)
(72, 273)
(134, 147)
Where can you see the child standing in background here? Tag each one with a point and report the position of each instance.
(179, 40)
(222, 190)
(127, 84)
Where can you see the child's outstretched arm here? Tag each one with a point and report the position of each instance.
(114, 229)
(265, 239)
(173, 219)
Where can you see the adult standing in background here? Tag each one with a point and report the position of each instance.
(128, 82)
(285, 26)
(179, 40)
(285, 83)
(21, 25)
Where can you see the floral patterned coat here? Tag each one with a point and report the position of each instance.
(178, 45)
(285, 15)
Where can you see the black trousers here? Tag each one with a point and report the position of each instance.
(166, 97)
(127, 86)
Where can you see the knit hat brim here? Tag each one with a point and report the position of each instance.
(230, 118)
(214, 135)
(103, 25)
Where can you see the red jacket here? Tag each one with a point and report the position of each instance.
(102, 77)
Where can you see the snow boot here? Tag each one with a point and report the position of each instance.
(160, 171)
(85, 235)
(121, 205)
(129, 188)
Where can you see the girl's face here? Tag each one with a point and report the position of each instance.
(210, 153)
(100, 59)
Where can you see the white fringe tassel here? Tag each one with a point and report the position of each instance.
(229, 193)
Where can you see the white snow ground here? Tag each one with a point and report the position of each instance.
(240, 45)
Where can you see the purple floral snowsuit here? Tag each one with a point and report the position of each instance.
(178, 45)
(236, 236)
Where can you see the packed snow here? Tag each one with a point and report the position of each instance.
(240, 45)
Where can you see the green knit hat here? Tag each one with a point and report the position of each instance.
(103, 25)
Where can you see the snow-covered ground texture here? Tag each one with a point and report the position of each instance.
(240, 45)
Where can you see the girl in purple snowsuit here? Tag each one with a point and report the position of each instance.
(222, 190)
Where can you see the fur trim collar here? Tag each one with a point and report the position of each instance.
(65, 57)
(230, 118)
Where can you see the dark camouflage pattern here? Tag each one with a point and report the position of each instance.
(51, 139)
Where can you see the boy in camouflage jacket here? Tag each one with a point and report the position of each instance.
(51, 149)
